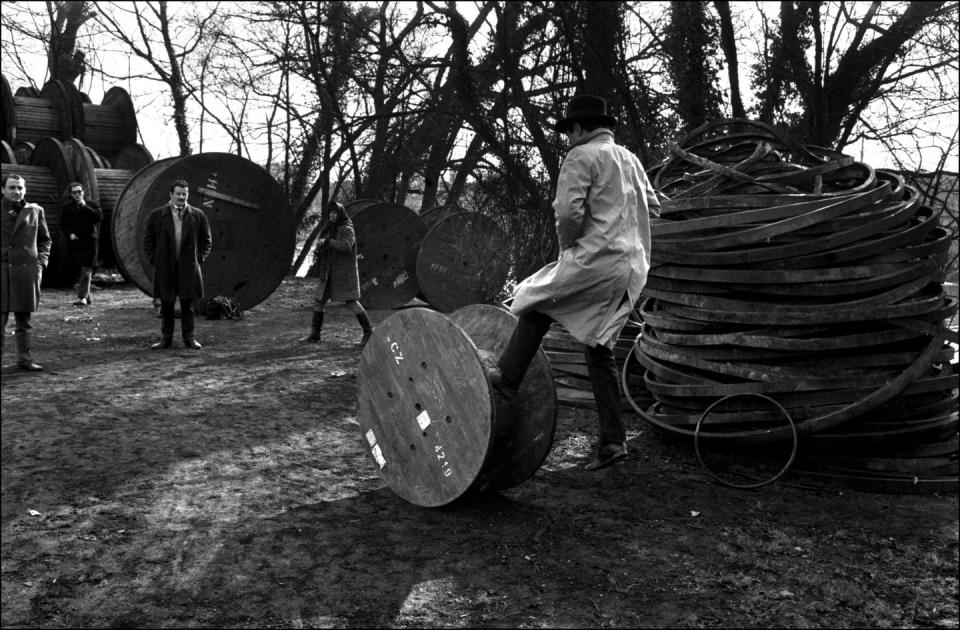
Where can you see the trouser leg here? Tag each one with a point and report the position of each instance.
(522, 347)
(602, 368)
(357, 309)
(22, 333)
(86, 277)
(166, 318)
(186, 318)
(4, 317)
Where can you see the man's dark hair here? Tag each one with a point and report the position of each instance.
(9, 176)
(74, 185)
(182, 183)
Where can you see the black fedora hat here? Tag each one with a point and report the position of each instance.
(585, 109)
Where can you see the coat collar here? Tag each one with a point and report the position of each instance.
(599, 132)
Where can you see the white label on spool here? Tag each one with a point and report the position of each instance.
(400, 279)
(423, 419)
(371, 438)
(378, 455)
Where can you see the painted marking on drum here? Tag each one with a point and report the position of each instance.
(378, 455)
(423, 419)
(395, 349)
(438, 267)
(442, 458)
(403, 277)
(212, 185)
(371, 438)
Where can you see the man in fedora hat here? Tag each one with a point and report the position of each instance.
(603, 205)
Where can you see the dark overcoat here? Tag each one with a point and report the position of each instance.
(172, 277)
(338, 265)
(84, 222)
(25, 242)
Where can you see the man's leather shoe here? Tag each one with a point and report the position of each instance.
(193, 344)
(606, 455)
(30, 367)
(166, 342)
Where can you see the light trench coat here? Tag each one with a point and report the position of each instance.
(603, 206)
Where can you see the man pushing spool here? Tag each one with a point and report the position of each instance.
(603, 206)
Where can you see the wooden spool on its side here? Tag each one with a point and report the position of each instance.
(388, 238)
(427, 412)
(463, 260)
(252, 227)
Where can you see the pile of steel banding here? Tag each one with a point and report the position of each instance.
(797, 273)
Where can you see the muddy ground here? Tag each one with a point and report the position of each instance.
(230, 487)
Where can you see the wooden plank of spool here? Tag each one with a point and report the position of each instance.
(462, 261)
(252, 250)
(388, 239)
(427, 412)
(8, 113)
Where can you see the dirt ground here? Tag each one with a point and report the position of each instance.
(230, 487)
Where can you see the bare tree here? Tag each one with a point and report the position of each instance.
(164, 43)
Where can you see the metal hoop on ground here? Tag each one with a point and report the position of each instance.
(745, 486)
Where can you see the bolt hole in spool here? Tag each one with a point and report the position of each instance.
(481, 451)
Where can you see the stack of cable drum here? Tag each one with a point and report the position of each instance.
(794, 275)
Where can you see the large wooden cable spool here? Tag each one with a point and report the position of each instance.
(47, 176)
(110, 126)
(352, 207)
(463, 260)
(8, 112)
(388, 239)
(59, 110)
(430, 216)
(7, 156)
(428, 414)
(252, 228)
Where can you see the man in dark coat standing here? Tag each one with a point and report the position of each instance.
(177, 240)
(80, 221)
(25, 243)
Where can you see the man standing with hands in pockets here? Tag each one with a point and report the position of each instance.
(177, 240)
(24, 252)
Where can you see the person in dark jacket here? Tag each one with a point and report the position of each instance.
(339, 278)
(177, 240)
(80, 221)
(24, 251)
